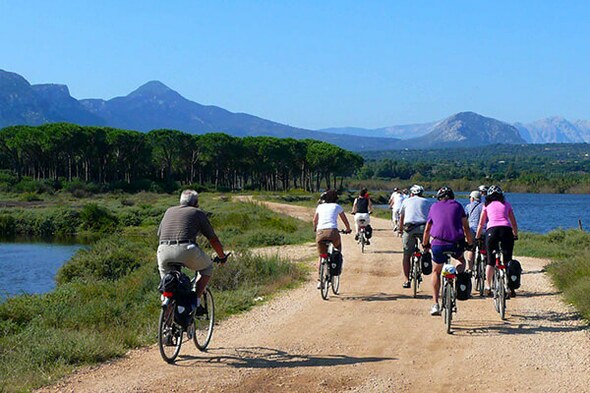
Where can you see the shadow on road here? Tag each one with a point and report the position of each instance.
(264, 358)
(533, 271)
(386, 252)
(534, 323)
(382, 297)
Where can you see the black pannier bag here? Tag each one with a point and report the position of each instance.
(463, 286)
(368, 231)
(335, 263)
(514, 271)
(186, 300)
(426, 262)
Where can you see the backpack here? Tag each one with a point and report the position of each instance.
(426, 262)
(335, 263)
(368, 231)
(514, 271)
(186, 300)
(463, 286)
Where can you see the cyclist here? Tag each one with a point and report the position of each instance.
(413, 215)
(361, 208)
(447, 226)
(395, 204)
(473, 210)
(501, 228)
(483, 189)
(325, 223)
(177, 241)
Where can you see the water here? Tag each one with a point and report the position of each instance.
(542, 213)
(31, 267)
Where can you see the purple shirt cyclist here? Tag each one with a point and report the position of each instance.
(447, 226)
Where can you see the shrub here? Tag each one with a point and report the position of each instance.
(97, 219)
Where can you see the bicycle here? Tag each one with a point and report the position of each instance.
(479, 268)
(449, 294)
(200, 328)
(326, 277)
(499, 284)
(416, 267)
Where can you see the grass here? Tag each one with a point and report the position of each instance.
(106, 301)
(569, 251)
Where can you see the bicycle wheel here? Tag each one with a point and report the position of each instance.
(448, 300)
(204, 323)
(324, 280)
(495, 290)
(335, 284)
(502, 298)
(169, 334)
(363, 243)
(415, 274)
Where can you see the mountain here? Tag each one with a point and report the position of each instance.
(407, 131)
(467, 129)
(555, 129)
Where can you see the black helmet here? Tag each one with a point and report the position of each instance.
(495, 190)
(445, 192)
(483, 189)
(329, 196)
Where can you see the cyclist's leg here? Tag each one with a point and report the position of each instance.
(197, 260)
(460, 266)
(507, 240)
(321, 236)
(357, 217)
(438, 260)
(491, 246)
(408, 243)
(471, 255)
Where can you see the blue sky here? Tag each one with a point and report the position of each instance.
(315, 64)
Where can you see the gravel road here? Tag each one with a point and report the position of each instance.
(373, 337)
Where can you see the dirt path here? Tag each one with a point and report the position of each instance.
(374, 337)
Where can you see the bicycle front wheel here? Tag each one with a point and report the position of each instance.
(335, 284)
(169, 334)
(204, 323)
(324, 280)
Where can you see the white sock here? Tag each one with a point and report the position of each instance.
(198, 302)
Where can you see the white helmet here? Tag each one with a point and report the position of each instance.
(475, 195)
(416, 190)
(449, 270)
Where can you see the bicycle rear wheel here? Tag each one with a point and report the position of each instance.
(204, 324)
(502, 298)
(448, 301)
(169, 334)
(480, 275)
(324, 280)
(335, 284)
(415, 274)
(363, 243)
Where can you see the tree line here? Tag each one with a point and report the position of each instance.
(64, 152)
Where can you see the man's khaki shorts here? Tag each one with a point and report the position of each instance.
(190, 255)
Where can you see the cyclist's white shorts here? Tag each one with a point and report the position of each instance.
(362, 219)
(190, 255)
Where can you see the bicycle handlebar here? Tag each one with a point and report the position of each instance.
(221, 260)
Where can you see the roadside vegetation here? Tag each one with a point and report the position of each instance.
(106, 300)
(569, 251)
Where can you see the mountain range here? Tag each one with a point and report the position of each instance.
(154, 105)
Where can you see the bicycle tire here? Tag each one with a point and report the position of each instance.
(169, 334)
(495, 291)
(415, 274)
(502, 299)
(324, 280)
(480, 275)
(449, 306)
(362, 243)
(335, 284)
(204, 325)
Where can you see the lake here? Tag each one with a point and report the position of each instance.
(31, 267)
(542, 213)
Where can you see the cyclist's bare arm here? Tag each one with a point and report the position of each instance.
(513, 222)
(217, 246)
(315, 221)
(467, 231)
(401, 222)
(345, 221)
(426, 237)
(482, 221)
(354, 206)
(370, 206)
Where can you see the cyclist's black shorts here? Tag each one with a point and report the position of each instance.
(499, 235)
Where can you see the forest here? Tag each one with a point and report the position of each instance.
(131, 160)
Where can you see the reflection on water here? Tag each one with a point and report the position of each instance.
(544, 212)
(31, 267)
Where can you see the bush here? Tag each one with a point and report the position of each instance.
(97, 219)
